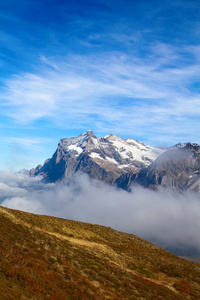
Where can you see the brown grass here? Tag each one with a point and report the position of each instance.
(44, 257)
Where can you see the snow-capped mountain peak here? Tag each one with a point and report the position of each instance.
(110, 155)
(111, 148)
(79, 144)
(121, 162)
(117, 161)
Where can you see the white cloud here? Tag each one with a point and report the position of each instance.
(19, 180)
(155, 90)
(24, 204)
(170, 218)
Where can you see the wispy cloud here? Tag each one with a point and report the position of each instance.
(118, 90)
(31, 144)
(18, 153)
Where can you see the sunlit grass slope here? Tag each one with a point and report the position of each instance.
(44, 257)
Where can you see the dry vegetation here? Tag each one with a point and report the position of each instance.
(49, 258)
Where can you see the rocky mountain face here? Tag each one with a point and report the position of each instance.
(178, 167)
(105, 158)
(124, 162)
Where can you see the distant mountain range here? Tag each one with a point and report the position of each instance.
(123, 162)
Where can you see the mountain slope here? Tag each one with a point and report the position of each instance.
(179, 168)
(49, 258)
(124, 162)
(102, 158)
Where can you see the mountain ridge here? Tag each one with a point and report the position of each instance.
(123, 162)
(179, 167)
(102, 158)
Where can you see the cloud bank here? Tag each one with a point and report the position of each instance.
(164, 217)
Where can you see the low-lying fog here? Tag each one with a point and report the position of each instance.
(165, 217)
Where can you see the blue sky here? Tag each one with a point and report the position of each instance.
(130, 68)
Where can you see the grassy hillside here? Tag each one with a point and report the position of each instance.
(44, 257)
